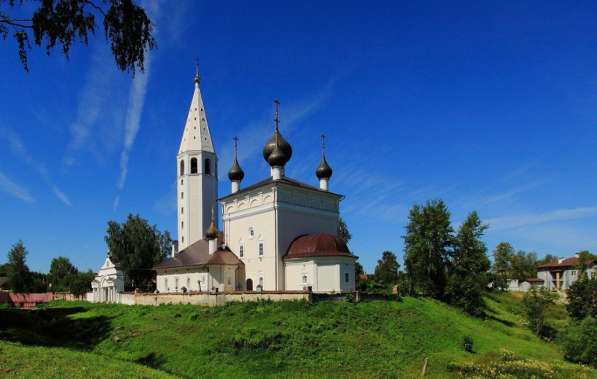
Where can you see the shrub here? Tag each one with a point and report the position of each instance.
(579, 341)
(582, 298)
(535, 303)
(467, 344)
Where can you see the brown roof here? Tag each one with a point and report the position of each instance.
(224, 257)
(284, 181)
(317, 245)
(568, 262)
(197, 254)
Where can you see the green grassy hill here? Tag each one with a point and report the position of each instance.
(368, 339)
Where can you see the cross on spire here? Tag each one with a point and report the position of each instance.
(322, 143)
(277, 113)
(235, 146)
(197, 77)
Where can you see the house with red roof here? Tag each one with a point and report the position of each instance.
(559, 276)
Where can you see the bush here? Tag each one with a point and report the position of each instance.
(535, 303)
(467, 344)
(581, 298)
(579, 341)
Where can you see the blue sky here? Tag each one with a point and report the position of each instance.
(490, 107)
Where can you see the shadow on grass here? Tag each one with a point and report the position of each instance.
(152, 360)
(53, 327)
(501, 321)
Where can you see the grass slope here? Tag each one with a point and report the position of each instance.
(17, 361)
(369, 339)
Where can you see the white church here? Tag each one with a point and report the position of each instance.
(277, 235)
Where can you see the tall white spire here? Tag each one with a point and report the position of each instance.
(196, 134)
(197, 166)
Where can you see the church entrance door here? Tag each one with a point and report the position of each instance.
(249, 285)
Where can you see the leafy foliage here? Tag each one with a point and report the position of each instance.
(386, 271)
(136, 247)
(580, 341)
(468, 277)
(536, 302)
(428, 245)
(62, 272)
(127, 28)
(343, 232)
(19, 278)
(582, 298)
(502, 264)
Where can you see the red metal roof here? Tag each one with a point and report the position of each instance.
(317, 245)
(567, 262)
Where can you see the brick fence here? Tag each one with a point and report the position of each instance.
(31, 300)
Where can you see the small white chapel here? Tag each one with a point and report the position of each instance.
(277, 234)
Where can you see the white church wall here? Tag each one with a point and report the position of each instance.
(250, 221)
(172, 280)
(322, 274)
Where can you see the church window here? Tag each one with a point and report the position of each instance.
(346, 277)
(181, 181)
(260, 248)
(182, 239)
(182, 195)
(188, 283)
(182, 210)
(304, 278)
(261, 282)
(193, 165)
(251, 231)
(242, 250)
(176, 284)
(181, 168)
(182, 224)
(207, 169)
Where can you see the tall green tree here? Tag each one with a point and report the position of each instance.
(502, 264)
(343, 232)
(524, 265)
(468, 277)
(19, 277)
(427, 247)
(62, 273)
(386, 271)
(49, 23)
(80, 283)
(137, 246)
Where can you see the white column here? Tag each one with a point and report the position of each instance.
(277, 172)
(323, 184)
(235, 186)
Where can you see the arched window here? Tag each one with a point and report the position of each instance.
(181, 168)
(249, 285)
(193, 165)
(207, 168)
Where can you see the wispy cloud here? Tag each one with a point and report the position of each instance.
(92, 100)
(135, 108)
(19, 149)
(509, 194)
(10, 187)
(528, 219)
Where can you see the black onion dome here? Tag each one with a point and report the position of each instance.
(324, 171)
(284, 146)
(278, 157)
(235, 172)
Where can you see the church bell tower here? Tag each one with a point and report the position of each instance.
(197, 179)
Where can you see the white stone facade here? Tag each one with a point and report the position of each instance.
(108, 283)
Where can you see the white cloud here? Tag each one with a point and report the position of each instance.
(528, 219)
(12, 188)
(135, 108)
(19, 149)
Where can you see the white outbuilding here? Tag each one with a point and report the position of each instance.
(108, 283)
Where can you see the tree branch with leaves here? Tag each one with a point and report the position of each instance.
(127, 28)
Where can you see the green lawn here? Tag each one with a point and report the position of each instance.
(368, 339)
